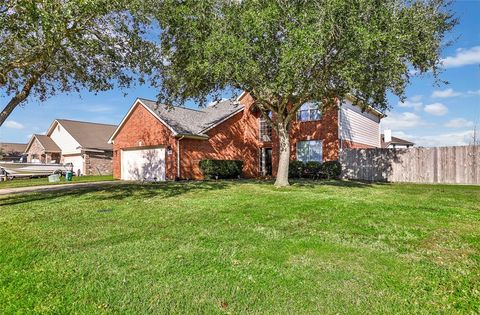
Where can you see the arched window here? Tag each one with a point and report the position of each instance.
(309, 112)
(265, 129)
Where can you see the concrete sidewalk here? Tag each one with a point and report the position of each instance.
(9, 191)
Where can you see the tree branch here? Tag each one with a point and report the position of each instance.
(22, 95)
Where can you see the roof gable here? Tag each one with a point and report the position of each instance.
(186, 121)
(46, 142)
(88, 135)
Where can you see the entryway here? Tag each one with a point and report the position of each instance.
(266, 161)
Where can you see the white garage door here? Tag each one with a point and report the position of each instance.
(144, 164)
(77, 161)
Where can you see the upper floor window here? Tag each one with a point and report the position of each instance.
(308, 112)
(265, 130)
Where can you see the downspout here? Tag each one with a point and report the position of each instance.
(178, 156)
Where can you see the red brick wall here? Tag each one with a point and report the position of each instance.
(236, 138)
(142, 129)
(325, 129)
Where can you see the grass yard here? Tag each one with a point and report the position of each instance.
(243, 247)
(27, 182)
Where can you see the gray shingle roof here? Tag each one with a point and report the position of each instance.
(48, 144)
(89, 135)
(396, 141)
(191, 121)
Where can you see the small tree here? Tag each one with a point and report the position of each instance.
(47, 47)
(475, 135)
(286, 53)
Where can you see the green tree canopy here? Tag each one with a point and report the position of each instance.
(286, 53)
(53, 46)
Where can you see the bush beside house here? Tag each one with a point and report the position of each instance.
(221, 169)
(315, 170)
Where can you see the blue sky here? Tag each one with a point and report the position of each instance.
(431, 115)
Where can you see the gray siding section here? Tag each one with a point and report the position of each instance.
(358, 127)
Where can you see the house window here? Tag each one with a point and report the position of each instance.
(265, 130)
(309, 112)
(310, 151)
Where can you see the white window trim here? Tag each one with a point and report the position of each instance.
(313, 140)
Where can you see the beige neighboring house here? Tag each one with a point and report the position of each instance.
(84, 144)
(42, 149)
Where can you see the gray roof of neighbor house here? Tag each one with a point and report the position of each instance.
(192, 121)
(10, 148)
(396, 141)
(47, 143)
(89, 135)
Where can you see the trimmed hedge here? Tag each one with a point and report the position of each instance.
(315, 170)
(213, 169)
(296, 169)
(331, 169)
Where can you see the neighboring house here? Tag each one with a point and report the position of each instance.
(390, 142)
(42, 149)
(154, 142)
(84, 144)
(12, 152)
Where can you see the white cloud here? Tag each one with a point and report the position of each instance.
(463, 57)
(437, 109)
(439, 140)
(13, 124)
(416, 98)
(100, 109)
(446, 139)
(411, 104)
(459, 123)
(477, 92)
(445, 93)
(400, 121)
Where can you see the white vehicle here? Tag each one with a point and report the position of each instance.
(17, 170)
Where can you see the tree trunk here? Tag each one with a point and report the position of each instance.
(284, 156)
(20, 96)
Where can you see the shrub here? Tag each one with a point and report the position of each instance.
(221, 168)
(313, 169)
(296, 169)
(331, 169)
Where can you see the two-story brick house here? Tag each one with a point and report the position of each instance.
(155, 142)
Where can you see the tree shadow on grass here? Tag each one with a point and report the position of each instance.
(335, 183)
(118, 192)
(121, 191)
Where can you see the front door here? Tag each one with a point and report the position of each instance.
(266, 161)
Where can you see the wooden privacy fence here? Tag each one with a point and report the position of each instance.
(452, 165)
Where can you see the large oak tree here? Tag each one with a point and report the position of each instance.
(54, 46)
(288, 52)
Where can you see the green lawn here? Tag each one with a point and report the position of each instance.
(27, 182)
(242, 247)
